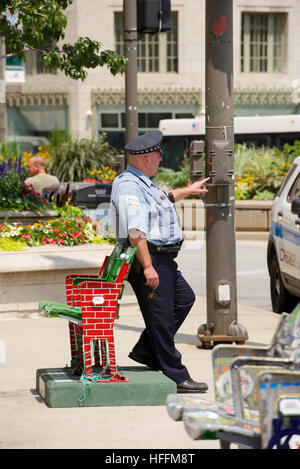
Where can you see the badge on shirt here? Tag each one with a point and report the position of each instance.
(131, 200)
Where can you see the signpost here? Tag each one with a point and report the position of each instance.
(11, 71)
(130, 44)
(2, 92)
(222, 325)
(145, 16)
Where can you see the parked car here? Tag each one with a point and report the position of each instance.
(283, 255)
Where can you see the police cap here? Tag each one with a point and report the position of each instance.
(146, 143)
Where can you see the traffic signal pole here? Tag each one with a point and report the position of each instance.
(2, 91)
(222, 325)
(130, 44)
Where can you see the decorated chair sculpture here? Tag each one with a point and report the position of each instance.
(92, 306)
(236, 369)
(279, 409)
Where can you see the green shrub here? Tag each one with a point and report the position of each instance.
(170, 179)
(15, 195)
(259, 172)
(9, 150)
(290, 152)
(56, 139)
(11, 245)
(264, 195)
(76, 157)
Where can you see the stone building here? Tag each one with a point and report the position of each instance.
(171, 70)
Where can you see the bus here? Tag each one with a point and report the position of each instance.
(259, 131)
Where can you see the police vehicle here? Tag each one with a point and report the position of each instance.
(283, 255)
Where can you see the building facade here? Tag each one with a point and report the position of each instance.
(171, 71)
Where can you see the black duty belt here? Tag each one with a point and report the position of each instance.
(165, 249)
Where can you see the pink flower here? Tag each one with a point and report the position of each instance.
(76, 235)
(25, 236)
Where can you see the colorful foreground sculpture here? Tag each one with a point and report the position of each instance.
(257, 392)
(92, 306)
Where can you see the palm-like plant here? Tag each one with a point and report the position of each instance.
(78, 156)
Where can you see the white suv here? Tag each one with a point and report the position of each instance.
(284, 243)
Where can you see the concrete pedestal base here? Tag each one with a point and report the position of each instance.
(145, 387)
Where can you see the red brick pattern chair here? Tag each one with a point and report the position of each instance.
(92, 307)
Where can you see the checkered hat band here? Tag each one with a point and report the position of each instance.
(148, 150)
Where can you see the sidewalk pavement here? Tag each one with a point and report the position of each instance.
(38, 342)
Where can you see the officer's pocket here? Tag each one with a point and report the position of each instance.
(167, 223)
(154, 232)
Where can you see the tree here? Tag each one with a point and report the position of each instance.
(38, 24)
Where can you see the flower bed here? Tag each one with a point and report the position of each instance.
(70, 228)
(14, 194)
(105, 175)
(59, 231)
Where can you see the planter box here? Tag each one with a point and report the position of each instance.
(253, 215)
(26, 217)
(250, 215)
(38, 273)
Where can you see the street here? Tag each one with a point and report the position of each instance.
(252, 271)
(29, 423)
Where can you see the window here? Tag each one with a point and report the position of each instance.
(295, 191)
(109, 120)
(30, 125)
(112, 122)
(263, 42)
(146, 120)
(156, 53)
(34, 63)
(287, 178)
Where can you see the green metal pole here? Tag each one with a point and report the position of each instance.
(220, 201)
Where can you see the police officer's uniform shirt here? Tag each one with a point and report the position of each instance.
(137, 203)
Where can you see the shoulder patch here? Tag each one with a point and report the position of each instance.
(131, 200)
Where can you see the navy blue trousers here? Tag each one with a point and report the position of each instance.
(163, 314)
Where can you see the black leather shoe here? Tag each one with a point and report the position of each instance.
(143, 357)
(191, 386)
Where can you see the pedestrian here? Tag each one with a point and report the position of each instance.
(144, 216)
(39, 179)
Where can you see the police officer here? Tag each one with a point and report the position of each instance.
(145, 216)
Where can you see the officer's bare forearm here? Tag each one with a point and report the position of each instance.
(196, 188)
(179, 194)
(143, 255)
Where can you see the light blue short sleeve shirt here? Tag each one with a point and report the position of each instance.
(137, 203)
